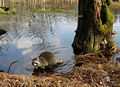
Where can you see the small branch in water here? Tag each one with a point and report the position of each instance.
(11, 65)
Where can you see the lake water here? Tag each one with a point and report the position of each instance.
(116, 27)
(30, 34)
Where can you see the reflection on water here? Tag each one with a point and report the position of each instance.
(116, 27)
(28, 36)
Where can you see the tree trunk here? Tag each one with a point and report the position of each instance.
(94, 31)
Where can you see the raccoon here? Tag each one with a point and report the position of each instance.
(45, 59)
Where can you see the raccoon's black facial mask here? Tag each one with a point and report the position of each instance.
(34, 64)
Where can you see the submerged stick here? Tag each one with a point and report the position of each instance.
(11, 65)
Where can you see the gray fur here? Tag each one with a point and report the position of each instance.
(45, 59)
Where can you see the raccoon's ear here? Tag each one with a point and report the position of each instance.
(34, 59)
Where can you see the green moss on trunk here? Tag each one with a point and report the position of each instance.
(106, 21)
(95, 24)
(108, 2)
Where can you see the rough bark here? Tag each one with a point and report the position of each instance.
(95, 23)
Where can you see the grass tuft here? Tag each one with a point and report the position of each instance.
(115, 7)
(54, 10)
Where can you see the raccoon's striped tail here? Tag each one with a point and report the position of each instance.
(59, 60)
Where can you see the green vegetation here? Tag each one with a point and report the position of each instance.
(108, 2)
(12, 11)
(106, 24)
(2, 11)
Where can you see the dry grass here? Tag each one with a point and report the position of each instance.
(115, 6)
(40, 81)
(2, 11)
